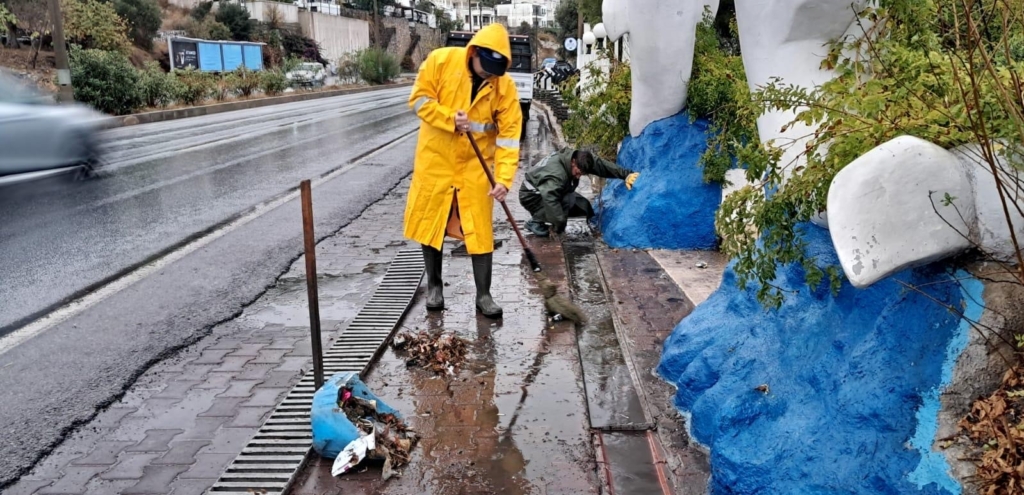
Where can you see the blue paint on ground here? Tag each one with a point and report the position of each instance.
(670, 206)
(933, 467)
(847, 378)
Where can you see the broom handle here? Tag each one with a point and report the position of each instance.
(490, 177)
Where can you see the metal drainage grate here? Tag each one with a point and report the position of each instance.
(269, 462)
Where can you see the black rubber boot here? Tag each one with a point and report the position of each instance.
(435, 287)
(482, 276)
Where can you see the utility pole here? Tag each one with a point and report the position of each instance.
(377, 30)
(65, 94)
(579, 21)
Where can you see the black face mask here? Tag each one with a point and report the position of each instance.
(477, 80)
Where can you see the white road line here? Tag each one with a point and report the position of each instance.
(89, 300)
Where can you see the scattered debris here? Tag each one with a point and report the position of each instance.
(995, 426)
(383, 436)
(558, 305)
(441, 353)
(701, 264)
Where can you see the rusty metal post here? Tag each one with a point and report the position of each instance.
(311, 286)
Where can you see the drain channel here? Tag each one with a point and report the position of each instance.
(269, 462)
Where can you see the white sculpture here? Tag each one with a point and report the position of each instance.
(662, 34)
(888, 208)
(873, 205)
(881, 215)
(788, 39)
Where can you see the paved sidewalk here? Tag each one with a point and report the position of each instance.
(186, 418)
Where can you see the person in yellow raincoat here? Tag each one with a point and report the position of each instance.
(460, 90)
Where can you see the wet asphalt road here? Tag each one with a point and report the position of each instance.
(167, 183)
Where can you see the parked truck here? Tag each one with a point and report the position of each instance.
(521, 70)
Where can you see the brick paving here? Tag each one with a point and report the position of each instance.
(186, 418)
(647, 309)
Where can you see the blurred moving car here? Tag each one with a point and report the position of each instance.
(307, 74)
(38, 135)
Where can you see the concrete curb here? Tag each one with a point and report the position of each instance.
(552, 123)
(181, 113)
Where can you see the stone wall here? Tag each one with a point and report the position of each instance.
(398, 37)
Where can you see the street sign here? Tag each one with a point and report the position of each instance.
(571, 44)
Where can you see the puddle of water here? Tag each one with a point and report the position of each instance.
(611, 394)
(341, 297)
(629, 462)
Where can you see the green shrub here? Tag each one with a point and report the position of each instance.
(106, 80)
(158, 88)
(377, 66)
(719, 92)
(244, 81)
(207, 29)
(273, 82)
(222, 88)
(348, 68)
(194, 87)
(599, 112)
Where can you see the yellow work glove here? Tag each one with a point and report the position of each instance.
(630, 179)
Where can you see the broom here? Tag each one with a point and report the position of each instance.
(554, 302)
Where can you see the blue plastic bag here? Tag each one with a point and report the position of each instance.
(332, 431)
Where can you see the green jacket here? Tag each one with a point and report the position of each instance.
(552, 179)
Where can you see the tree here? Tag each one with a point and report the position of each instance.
(9, 24)
(199, 12)
(445, 24)
(33, 17)
(236, 18)
(143, 17)
(94, 24)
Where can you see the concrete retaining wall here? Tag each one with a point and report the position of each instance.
(261, 11)
(336, 35)
(185, 4)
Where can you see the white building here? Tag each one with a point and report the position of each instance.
(474, 15)
(516, 13)
(448, 6)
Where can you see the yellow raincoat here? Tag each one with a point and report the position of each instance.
(446, 166)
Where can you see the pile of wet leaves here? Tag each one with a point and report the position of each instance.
(393, 440)
(995, 426)
(442, 353)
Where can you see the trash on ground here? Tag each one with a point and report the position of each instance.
(351, 424)
(558, 305)
(701, 264)
(441, 353)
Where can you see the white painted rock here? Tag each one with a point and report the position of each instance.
(787, 39)
(992, 232)
(662, 34)
(881, 215)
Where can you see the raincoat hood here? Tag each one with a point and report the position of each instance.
(494, 37)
